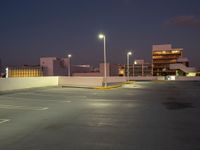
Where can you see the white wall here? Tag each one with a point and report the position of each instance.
(89, 74)
(179, 78)
(7, 84)
(116, 79)
(80, 81)
(146, 78)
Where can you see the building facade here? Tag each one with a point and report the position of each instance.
(137, 68)
(25, 71)
(142, 68)
(53, 66)
(162, 57)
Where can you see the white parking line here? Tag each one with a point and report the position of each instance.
(29, 99)
(22, 107)
(4, 120)
(110, 100)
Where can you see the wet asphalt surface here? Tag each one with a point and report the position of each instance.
(145, 116)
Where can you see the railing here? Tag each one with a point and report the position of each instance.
(182, 67)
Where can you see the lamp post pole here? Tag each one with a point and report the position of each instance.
(102, 36)
(7, 72)
(128, 70)
(69, 65)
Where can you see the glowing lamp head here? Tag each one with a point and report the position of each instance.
(69, 56)
(129, 53)
(101, 36)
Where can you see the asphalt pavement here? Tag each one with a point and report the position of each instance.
(144, 116)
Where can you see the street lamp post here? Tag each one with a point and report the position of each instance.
(7, 72)
(69, 65)
(102, 36)
(128, 70)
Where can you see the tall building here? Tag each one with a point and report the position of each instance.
(162, 57)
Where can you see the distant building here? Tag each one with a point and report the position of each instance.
(121, 70)
(54, 66)
(137, 68)
(84, 70)
(170, 61)
(25, 71)
(81, 68)
(162, 57)
(111, 70)
(142, 68)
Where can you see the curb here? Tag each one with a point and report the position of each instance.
(108, 87)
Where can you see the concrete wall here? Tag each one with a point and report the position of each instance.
(116, 79)
(80, 81)
(146, 78)
(89, 74)
(7, 84)
(179, 78)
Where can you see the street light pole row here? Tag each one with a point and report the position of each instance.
(102, 36)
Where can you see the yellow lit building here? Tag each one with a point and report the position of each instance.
(26, 71)
(162, 57)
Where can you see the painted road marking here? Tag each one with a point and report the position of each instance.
(18, 95)
(22, 107)
(4, 120)
(67, 101)
(76, 96)
(30, 99)
(109, 100)
(47, 95)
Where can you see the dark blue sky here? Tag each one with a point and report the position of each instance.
(30, 29)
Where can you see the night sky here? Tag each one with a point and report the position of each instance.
(30, 29)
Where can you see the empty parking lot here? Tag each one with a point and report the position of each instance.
(147, 115)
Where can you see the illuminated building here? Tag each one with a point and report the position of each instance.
(25, 71)
(162, 57)
(121, 71)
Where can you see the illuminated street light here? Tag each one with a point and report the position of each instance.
(6, 72)
(128, 73)
(102, 36)
(69, 64)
